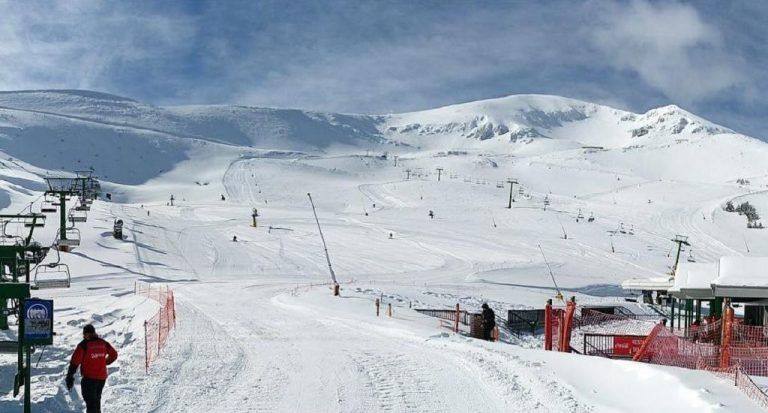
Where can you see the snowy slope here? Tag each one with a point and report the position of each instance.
(256, 331)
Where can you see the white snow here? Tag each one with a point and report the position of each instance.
(258, 330)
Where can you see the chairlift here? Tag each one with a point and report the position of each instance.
(691, 258)
(499, 184)
(52, 275)
(73, 238)
(579, 215)
(47, 207)
(520, 191)
(546, 199)
(621, 228)
(631, 230)
(35, 223)
(83, 206)
(77, 216)
(591, 217)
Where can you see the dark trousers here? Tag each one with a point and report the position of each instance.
(487, 332)
(91, 390)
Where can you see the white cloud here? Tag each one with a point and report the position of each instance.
(80, 44)
(669, 46)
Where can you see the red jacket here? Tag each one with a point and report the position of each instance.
(93, 356)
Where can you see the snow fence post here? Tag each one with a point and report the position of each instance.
(456, 321)
(377, 303)
(146, 349)
(641, 352)
(548, 326)
(565, 336)
(725, 352)
(389, 309)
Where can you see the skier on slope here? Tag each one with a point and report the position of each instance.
(92, 355)
(488, 321)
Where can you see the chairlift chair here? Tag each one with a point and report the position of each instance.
(580, 215)
(591, 217)
(73, 238)
(52, 275)
(499, 184)
(48, 207)
(520, 191)
(83, 206)
(74, 216)
(38, 223)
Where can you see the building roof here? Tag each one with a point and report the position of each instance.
(742, 277)
(648, 284)
(694, 280)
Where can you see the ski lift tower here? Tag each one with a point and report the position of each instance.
(439, 170)
(16, 255)
(680, 240)
(63, 188)
(511, 183)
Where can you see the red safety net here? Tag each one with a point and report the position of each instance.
(711, 346)
(734, 352)
(158, 327)
(585, 322)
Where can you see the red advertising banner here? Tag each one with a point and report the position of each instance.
(626, 346)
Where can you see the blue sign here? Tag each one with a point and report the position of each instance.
(38, 321)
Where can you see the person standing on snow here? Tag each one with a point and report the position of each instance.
(92, 355)
(488, 321)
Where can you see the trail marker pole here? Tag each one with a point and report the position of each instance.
(439, 173)
(377, 304)
(456, 321)
(146, 349)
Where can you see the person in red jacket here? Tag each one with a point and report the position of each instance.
(92, 355)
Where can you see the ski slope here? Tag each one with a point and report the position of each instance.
(258, 329)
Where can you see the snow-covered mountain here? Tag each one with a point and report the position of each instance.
(131, 142)
(601, 191)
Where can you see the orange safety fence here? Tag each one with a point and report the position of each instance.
(726, 348)
(158, 327)
(565, 328)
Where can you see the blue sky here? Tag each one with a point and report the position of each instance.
(390, 56)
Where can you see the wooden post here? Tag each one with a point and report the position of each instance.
(377, 306)
(389, 309)
(335, 290)
(725, 351)
(456, 321)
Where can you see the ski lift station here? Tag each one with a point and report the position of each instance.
(731, 279)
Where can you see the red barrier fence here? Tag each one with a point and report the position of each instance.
(724, 347)
(158, 327)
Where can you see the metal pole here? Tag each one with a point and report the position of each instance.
(511, 185)
(27, 382)
(62, 216)
(322, 238)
